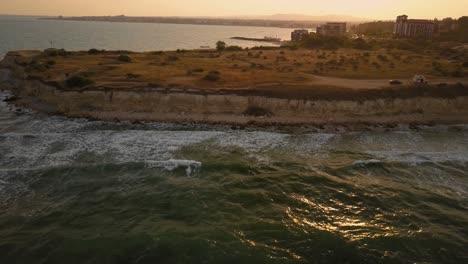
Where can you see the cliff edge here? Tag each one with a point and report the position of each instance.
(447, 104)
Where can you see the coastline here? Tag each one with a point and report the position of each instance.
(268, 23)
(423, 106)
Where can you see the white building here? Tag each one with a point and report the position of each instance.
(410, 28)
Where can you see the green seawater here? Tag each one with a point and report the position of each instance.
(76, 191)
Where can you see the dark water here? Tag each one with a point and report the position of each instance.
(76, 191)
(19, 33)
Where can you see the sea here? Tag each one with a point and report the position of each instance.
(27, 32)
(86, 191)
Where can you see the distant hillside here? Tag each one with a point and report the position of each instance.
(301, 17)
(198, 21)
(277, 20)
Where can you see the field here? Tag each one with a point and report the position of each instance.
(246, 69)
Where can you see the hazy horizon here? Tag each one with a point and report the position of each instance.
(366, 9)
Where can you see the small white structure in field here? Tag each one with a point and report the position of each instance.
(419, 79)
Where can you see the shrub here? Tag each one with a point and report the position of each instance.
(133, 76)
(36, 66)
(78, 81)
(361, 44)
(233, 48)
(257, 111)
(212, 76)
(220, 45)
(190, 72)
(172, 58)
(457, 74)
(376, 65)
(465, 64)
(382, 57)
(50, 62)
(94, 51)
(263, 48)
(124, 58)
(55, 52)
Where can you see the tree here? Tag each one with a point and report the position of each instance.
(220, 45)
(375, 29)
(124, 58)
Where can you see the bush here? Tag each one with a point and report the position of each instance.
(382, 57)
(465, 64)
(257, 111)
(51, 62)
(56, 52)
(78, 81)
(36, 66)
(457, 74)
(220, 45)
(233, 48)
(376, 65)
(124, 58)
(172, 58)
(133, 76)
(190, 72)
(212, 76)
(94, 51)
(361, 44)
(264, 48)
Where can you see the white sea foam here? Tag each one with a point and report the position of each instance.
(366, 162)
(415, 158)
(251, 141)
(191, 166)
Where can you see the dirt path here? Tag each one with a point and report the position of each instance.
(375, 83)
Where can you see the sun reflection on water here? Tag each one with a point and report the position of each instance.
(340, 218)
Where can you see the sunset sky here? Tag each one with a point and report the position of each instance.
(379, 9)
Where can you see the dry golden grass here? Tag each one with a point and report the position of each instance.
(240, 69)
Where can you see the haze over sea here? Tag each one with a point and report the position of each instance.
(81, 191)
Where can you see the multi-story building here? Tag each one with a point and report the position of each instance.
(332, 29)
(299, 34)
(411, 28)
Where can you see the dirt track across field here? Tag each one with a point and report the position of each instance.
(374, 83)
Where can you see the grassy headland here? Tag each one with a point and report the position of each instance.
(238, 68)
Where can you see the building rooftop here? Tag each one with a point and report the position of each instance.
(422, 21)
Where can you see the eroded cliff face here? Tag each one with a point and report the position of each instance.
(152, 104)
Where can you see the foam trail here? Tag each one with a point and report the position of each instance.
(191, 166)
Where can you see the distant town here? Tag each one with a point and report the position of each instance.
(403, 27)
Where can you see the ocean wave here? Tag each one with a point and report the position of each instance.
(366, 162)
(416, 158)
(191, 166)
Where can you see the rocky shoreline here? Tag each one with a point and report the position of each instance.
(236, 107)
